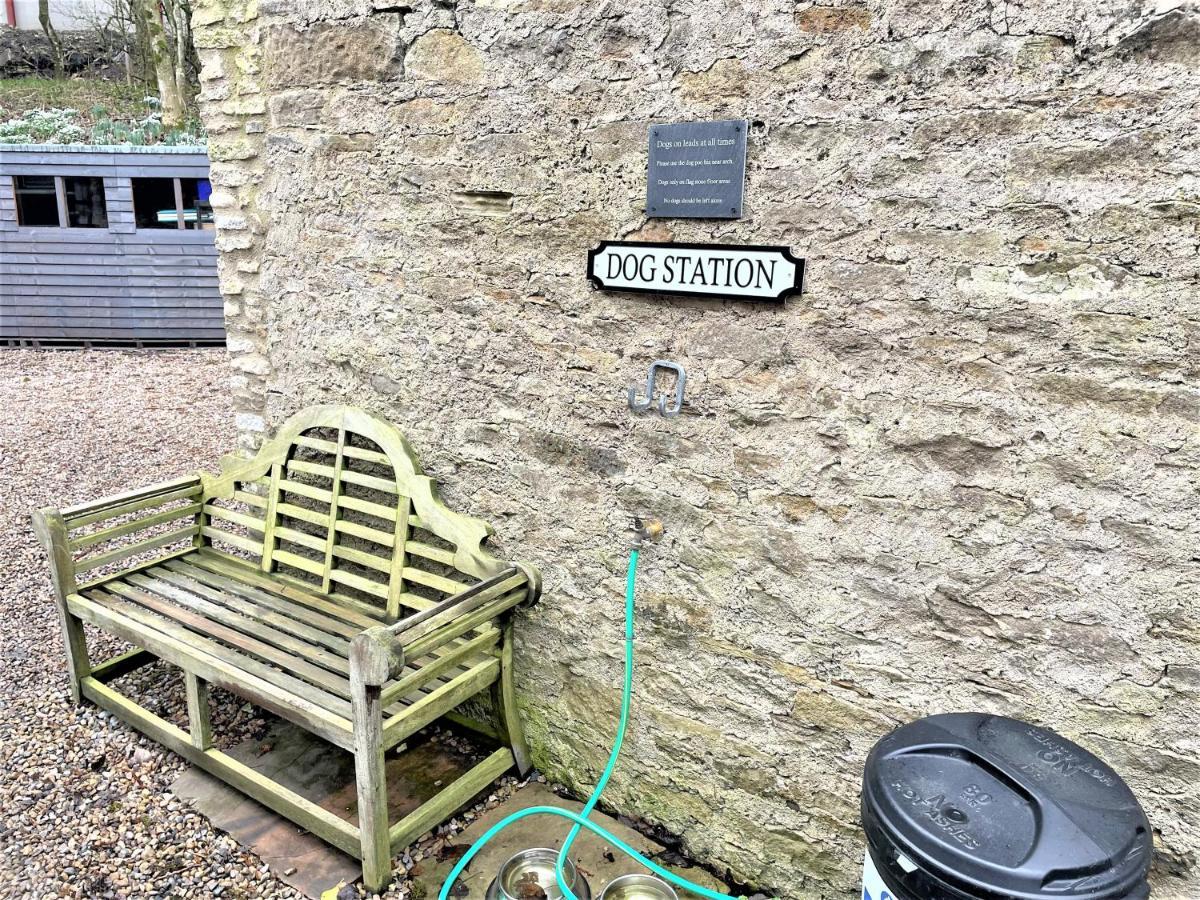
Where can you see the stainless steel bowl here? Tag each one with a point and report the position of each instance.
(529, 875)
(638, 887)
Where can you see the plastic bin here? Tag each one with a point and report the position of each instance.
(970, 806)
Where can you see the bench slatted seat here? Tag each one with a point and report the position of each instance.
(323, 580)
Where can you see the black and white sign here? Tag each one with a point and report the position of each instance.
(738, 271)
(696, 170)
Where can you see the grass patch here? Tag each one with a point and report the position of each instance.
(119, 100)
(35, 109)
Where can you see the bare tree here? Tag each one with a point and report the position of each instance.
(56, 44)
(187, 65)
(116, 27)
(141, 41)
(151, 19)
(155, 39)
(122, 26)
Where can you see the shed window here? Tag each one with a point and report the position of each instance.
(85, 202)
(172, 202)
(60, 201)
(37, 200)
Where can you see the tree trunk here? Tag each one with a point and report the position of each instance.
(181, 25)
(124, 23)
(141, 41)
(150, 15)
(56, 45)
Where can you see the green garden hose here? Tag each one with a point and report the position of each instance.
(581, 820)
(626, 700)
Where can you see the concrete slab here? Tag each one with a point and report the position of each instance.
(323, 774)
(595, 860)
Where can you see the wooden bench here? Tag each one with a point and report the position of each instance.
(322, 580)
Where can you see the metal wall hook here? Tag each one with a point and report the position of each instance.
(638, 405)
(641, 405)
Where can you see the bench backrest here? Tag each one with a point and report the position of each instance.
(338, 500)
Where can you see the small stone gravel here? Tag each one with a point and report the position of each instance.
(87, 807)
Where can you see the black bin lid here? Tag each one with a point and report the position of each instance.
(994, 808)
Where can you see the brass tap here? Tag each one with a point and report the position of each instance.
(646, 531)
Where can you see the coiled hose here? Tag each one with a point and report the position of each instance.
(581, 819)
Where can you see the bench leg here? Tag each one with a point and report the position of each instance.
(79, 666)
(199, 716)
(52, 532)
(504, 702)
(372, 787)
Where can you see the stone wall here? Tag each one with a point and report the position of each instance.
(960, 472)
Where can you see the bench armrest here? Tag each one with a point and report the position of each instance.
(379, 653)
(140, 498)
(70, 554)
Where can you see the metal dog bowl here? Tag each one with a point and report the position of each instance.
(638, 887)
(529, 875)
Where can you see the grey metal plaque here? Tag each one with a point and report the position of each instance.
(696, 170)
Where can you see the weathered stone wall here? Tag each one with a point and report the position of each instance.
(960, 472)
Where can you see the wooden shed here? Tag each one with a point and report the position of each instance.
(107, 246)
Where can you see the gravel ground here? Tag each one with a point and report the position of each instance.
(87, 811)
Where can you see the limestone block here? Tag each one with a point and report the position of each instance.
(295, 108)
(227, 222)
(219, 37)
(832, 19)
(207, 13)
(250, 422)
(229, 173)
(328, 53)
(252, 363)
(226, 150)
(724, 81)
(245, 106)
(247, 59)
(444, 55)
(216, 90)
(239, 343)
(1173, 37)
(212, 65)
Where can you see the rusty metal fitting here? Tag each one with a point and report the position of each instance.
(646, 531)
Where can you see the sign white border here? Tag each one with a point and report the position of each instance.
(734, 271)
